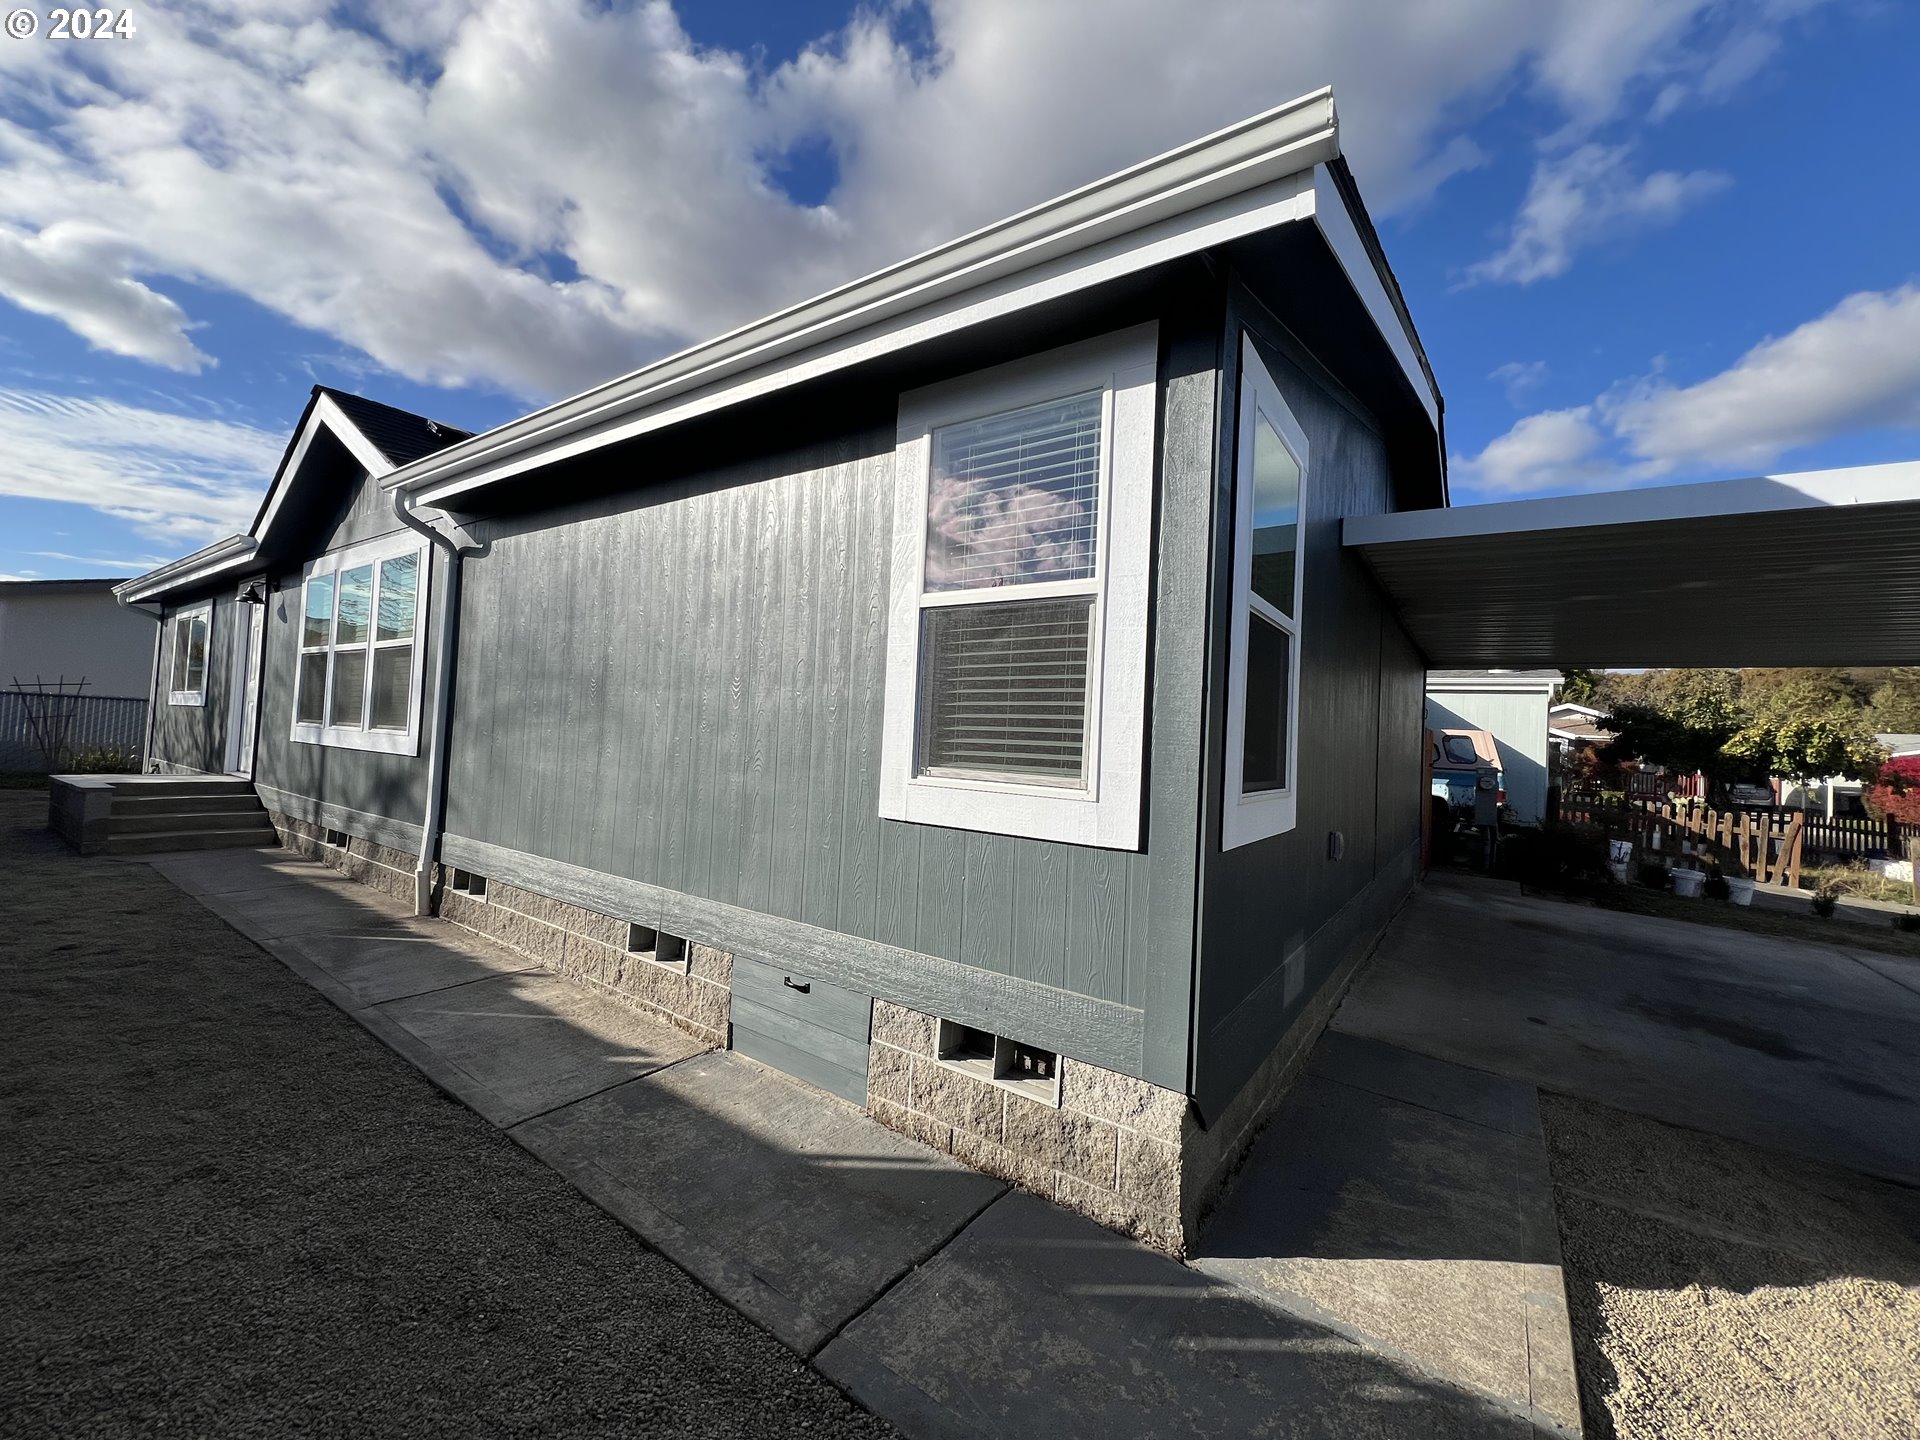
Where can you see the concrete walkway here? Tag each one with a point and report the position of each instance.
(945, 1302)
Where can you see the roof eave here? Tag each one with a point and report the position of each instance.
(1289, 141)
(207, 563)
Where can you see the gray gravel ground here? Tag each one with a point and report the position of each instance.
(1721, 1290)
(225, 1209)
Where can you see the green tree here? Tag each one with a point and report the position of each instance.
(1580, 687)
(1742, 727)
(1895, 706)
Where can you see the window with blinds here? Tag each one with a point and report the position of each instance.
(1015, 498)
(1018, 604)
(1013, 508)
(1004, 690)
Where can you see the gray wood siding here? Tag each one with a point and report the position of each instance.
(1279, 915)
(194, 737)
(684, 687)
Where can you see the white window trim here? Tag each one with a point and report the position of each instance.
(1106, 813)
(1246, 818)
(189, 697)
(345, 737)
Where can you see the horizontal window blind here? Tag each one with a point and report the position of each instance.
(1015, 498)
(1003, 689)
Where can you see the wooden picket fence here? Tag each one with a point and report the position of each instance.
(1856, 836)
(1765, 844)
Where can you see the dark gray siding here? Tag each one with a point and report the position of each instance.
(685, 687)
(1279, 916)
(390, 787)
(194, 737)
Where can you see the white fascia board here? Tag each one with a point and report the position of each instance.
(1278, 203)
(325, 412)
(1526, 683)
(220, 558)
(1760, 495)
(1201, 194)
(1343, 238)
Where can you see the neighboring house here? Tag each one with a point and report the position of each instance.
(1512, 705)
(1577, 725)
(75, 667)
(74, 630)
(1837, 795)
(980, 690)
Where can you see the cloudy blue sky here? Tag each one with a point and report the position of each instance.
(1645, 241)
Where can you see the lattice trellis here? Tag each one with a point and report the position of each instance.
(50, 707)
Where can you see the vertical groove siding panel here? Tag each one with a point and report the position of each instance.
(797, 706)
(942, 883)
(726, 668)
(986, 906)
(827, 769)
(733, 653)
(764, 565)
(704, 585)
(608, 700)
(860, 862)
(1040, 912)
(1096, 920)
(679, 658)
(896, 917)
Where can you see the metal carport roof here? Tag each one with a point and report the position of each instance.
(1821, 568)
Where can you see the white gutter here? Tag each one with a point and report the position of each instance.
(206, 563)
(1236, 181)
(438, 724)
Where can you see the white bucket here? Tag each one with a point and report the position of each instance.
(1688, 883)
(1739, 891)
(1618, 869)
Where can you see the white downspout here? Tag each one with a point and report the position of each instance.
(438, 725)
(159, 618)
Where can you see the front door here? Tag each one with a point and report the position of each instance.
(248, 643)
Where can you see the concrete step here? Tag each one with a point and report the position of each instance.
(237, 803)
(168, 822)
(153, 844)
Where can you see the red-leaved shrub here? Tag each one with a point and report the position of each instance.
(1897, 791)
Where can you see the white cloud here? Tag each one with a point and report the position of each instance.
(536, 194)
(1583, 198)
(144, 563)
(1857, 367)
(1519, 378)
(1554, 450)
(176, 478)
(77, 272)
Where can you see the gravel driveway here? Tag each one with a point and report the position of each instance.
(225, 1209)
(1720, 1291)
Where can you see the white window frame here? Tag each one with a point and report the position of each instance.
(1244, 817)
(1124, 366)
(352, 737)
(189, 697)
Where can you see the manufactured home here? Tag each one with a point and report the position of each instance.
(973, 691)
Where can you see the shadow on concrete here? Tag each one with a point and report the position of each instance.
(928, 1291)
